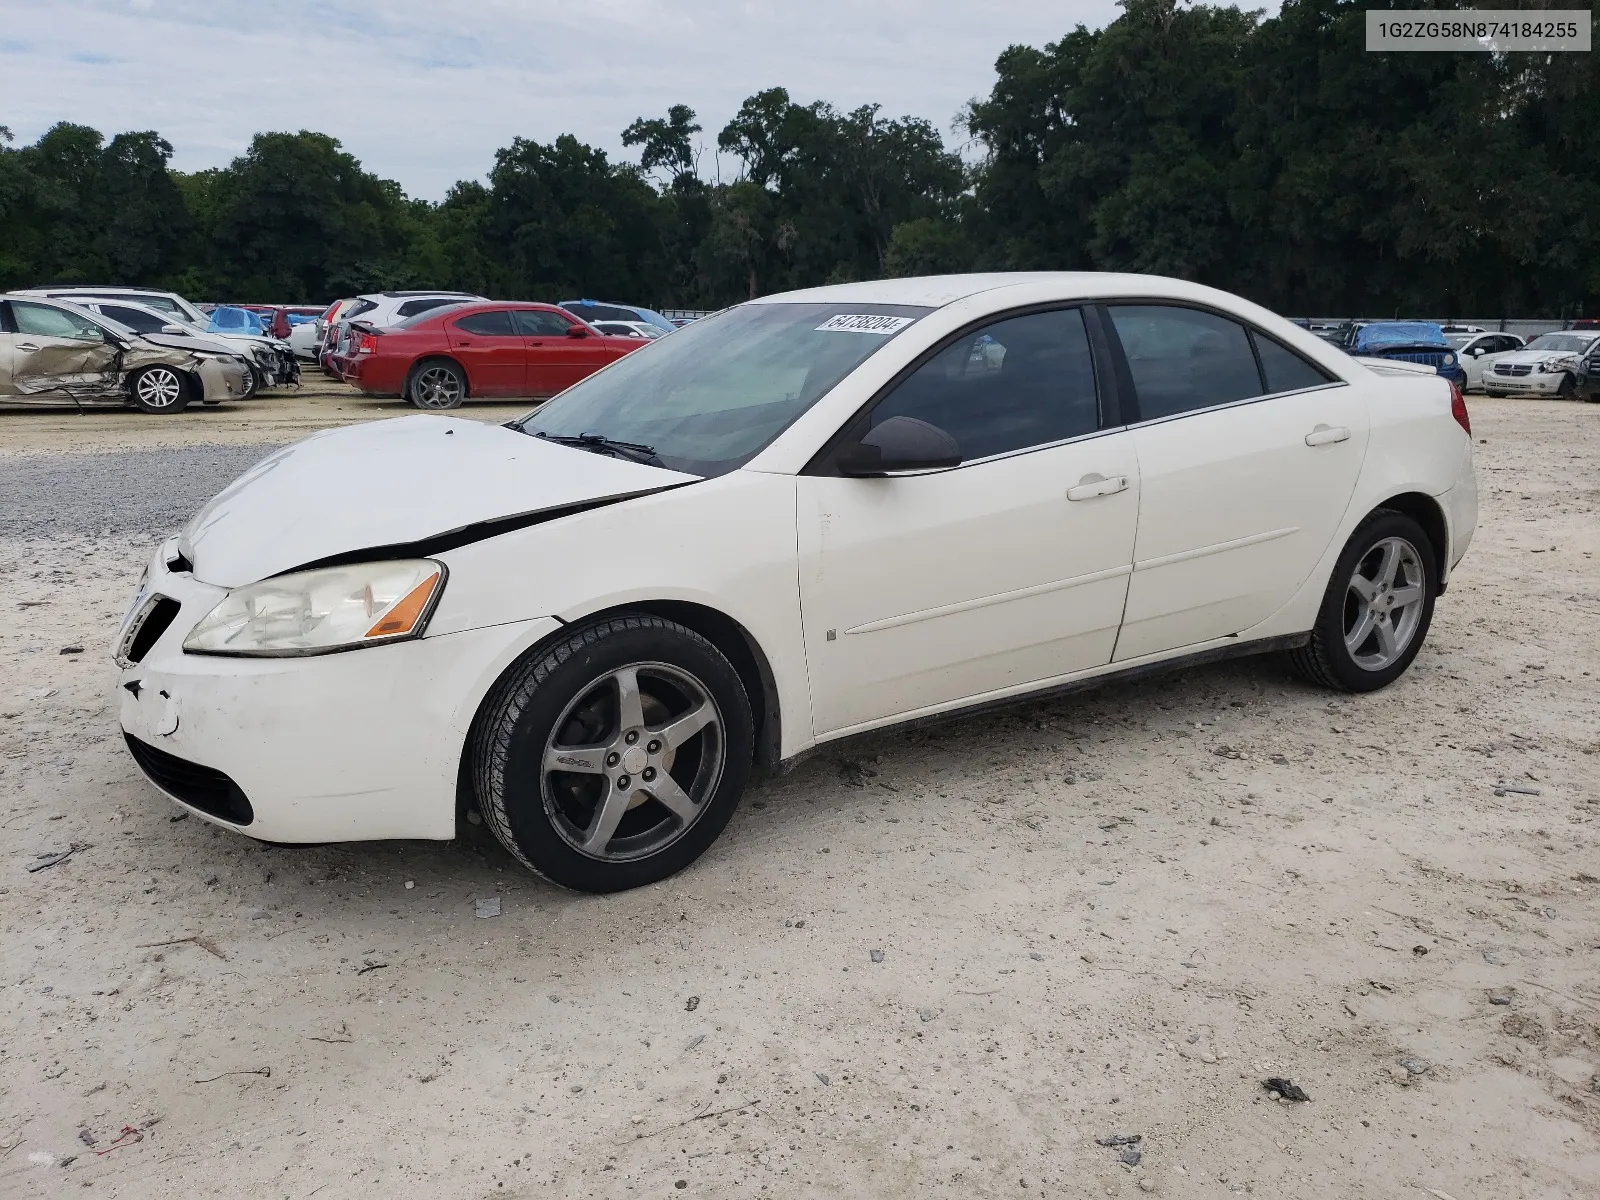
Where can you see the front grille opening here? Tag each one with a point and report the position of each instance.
(159, 614)
(205, 788)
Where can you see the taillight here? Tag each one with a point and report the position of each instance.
(1458, 409)
(369, 343)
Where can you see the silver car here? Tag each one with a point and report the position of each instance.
(53, 354)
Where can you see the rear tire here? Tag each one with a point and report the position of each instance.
(160, 390)
(1377, 609)
(436, 385)
(615, 757)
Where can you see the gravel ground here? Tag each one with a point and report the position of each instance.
(150, 492)
(950, 964)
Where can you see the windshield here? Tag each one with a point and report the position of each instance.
(1459, 340)
(1561, 343)
(712, 395)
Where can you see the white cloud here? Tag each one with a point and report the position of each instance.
(425, 92)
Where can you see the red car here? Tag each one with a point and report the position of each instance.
(478, 350)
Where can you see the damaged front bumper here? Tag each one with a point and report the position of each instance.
(339, 747)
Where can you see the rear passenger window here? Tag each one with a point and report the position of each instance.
(1022, 382)
(1183, 359)
(536, 322)
(487, 324)
(1285, 370)
(412, 307)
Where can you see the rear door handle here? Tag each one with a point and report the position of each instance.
(463, 341)
(26, 346)
(1326, 435)
(1091, 486)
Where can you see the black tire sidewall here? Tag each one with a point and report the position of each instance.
(1330, 621)
(178, 406)
(416, 374)
(532, 705)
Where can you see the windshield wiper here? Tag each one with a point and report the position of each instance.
(600, 444)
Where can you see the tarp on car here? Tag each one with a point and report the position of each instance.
(1398, 333)
(234, 320)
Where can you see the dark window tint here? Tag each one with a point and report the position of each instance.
(412, 307)
(1285, 370)
(139, 322)
(7, 325)
(537, 323)
(488, 324)
(1020, 382)
(1183, 359)
(356, 309)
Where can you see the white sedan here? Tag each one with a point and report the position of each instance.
(808, 517)
(1478, 351)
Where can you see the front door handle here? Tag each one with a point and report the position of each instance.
(1093, 485)
(463, 341)
(29, 346)
(1326, 435)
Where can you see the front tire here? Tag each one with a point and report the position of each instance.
(1377, 609)
(615, 757)
(1567, 389)
(436, 386)
(160, 390)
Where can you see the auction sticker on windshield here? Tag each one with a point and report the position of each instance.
(864, 323)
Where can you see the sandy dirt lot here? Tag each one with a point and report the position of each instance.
(1109, 915)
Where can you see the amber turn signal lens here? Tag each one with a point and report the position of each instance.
(403, 617)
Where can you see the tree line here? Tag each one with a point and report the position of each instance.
(1273, 157)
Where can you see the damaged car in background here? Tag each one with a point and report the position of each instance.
(52, 353)
(274, 362)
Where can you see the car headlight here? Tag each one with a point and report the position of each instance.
(319, 612)
(1449, 360)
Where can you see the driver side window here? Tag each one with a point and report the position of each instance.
(1021, 382)
(43, 320)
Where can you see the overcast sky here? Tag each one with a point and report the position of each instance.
(425, 91)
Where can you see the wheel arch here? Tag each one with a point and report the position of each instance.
(1425, 510)
(735, 642)
(423, 360)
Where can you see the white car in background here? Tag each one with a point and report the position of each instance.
(1478, 350)
(633, 329)
(1546, 366)
(806, 517)
(382, 309)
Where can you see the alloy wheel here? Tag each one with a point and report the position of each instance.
(632, 761)
(159, 388)
(438, 387)
(1383, 603)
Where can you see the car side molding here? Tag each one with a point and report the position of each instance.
(1241, 649)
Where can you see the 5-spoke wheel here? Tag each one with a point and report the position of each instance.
(614, 757)
(1376, 611)
(630, 764)
(437, 385)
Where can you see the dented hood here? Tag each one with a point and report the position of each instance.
(393, 483)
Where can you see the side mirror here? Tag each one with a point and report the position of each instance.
(576, 331)
(176, 330)
(899, 444)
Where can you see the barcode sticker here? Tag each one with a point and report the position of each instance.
(864, 323)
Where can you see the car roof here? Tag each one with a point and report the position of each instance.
(409, 295)
(96, 287)
(937, 291)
